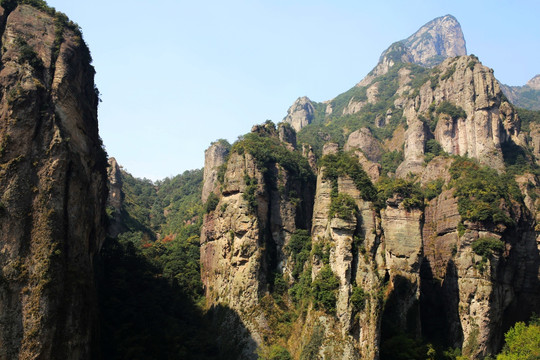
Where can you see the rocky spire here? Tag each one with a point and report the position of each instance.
(53, 185)
(437, 40)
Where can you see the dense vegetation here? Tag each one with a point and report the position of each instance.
(522, 342)
(409, 192)
(299, 249)
(324, 290)
(336, 126)
(344, 164)
(268, 150)
(528, 117)
(150, 288)
(483, 195)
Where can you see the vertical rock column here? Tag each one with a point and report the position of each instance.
(52, 186)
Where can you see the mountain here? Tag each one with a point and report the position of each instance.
(53, 185)
(400, 220)
(397, 220)
(526, 96)
(434, 42)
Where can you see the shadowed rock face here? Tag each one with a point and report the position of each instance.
(52, 186)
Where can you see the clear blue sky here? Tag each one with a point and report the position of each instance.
(176, 75)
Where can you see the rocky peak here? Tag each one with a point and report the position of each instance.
(437, 40)
(214, 157)
(300, 113)
(534, 83)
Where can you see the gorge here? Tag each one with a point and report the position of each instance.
(397, 220)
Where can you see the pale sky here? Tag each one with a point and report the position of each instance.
(176, 75)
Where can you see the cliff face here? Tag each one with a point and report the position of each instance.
(115, 200)
(214, 157)
(244, 236)
(53, 186)
(479, 130)
(406, 259)
(300, 113)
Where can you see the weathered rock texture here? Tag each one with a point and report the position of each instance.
(415, 265)
(115, 201)
(53, 186)
(300, 113)
(214, 157)
(243, 240)
(488, 121)
(439, 39)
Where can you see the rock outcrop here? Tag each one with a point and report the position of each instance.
(437, 40)
(115, 201)
(407, 264)
(300, 113)
(54, 188)
(214, 157)
(243, 239)
(473, 118)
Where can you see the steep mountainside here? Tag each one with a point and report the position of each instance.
(437, 40)
(434, 42)
(526, 96)
(53, 186)
(420, 232)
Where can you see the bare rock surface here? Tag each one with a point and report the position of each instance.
(53, 183)
(300, 113)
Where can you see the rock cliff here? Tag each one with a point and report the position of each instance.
(262, 201)
(300, 113)
(214, 157)
(411, 234)
(53, 185)
(439, 39)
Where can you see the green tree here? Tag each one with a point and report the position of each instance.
(522, 342)
(324, 290)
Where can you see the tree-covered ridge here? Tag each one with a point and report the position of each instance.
(164, 207)
(345, 164)
(267, 149)
(151, 292)
(528, 117)
(163, 220)
(335, 126)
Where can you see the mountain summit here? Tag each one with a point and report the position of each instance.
(437, 40)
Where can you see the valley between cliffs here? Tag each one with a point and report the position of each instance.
(398, 220)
